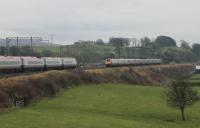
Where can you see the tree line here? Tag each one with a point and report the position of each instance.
(23, 51)
(163, 47)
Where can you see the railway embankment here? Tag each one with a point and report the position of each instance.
(48, 84)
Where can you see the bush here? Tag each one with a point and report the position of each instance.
(50, 83)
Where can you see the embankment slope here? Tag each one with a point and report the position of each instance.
(50, 83)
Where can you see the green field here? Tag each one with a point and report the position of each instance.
(102, 106)
(195, 80)
(196, 77)
(76, 50)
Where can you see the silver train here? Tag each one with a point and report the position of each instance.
(197, 69)
(17, 64)
(21, 64)
(125, 62)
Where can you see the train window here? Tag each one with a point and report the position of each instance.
(53, 62)
(9, 62)
(35, 62)
(108, 60)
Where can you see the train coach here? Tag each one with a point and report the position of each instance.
(125, 62)
(32, 63)
(197, 69)
(69, 62)
(10, 64)
(53, 63)
(20, 64)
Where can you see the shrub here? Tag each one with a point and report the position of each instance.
(49, 83)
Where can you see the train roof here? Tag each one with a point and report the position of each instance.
(133, 59)
(197, 67)
(31, 58)
(9, 58)
(53, 58)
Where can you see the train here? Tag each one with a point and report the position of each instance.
(21, 64)
(197, 69)
(110, 62)
(29, 63)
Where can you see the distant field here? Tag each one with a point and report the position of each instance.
(54, 49)
(102, 106)
(51, 48)
(76, 50)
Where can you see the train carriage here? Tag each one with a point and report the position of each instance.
(10, 64)
(197, 69)
(53, 63)
(32, 63)
(69, 62)
(124, 62)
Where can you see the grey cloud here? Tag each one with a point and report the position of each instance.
(91, 19)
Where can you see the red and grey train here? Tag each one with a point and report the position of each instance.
(125, 62)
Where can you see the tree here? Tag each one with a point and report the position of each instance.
(180, 95)
(185, 44)
(196, 49)
(2, 50)
(47, 53)
(165, 41)
(100, 42)
(28, 51)
(118, 43)
(146, 41)
(77, 43)
(14, 51)
(177, 55)
(111, 55)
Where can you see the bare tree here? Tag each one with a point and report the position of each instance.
(180, 95)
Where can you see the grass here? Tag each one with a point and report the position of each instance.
(71, 50)
(196, 77)
(48, 84)
(102, 106)
(195, 80)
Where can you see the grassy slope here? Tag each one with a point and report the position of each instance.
(195, 79)
(105, 106)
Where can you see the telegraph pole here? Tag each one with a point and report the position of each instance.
(18, 46)
(104, 51)
(52, 39)
(31, 41)
(67, 50)
(17, 42)
(7, 46)
(60, 51)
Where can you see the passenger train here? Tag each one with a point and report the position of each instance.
(20, 64)
(125, 62)
(197, 69)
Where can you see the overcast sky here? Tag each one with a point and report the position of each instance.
(72, 20)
